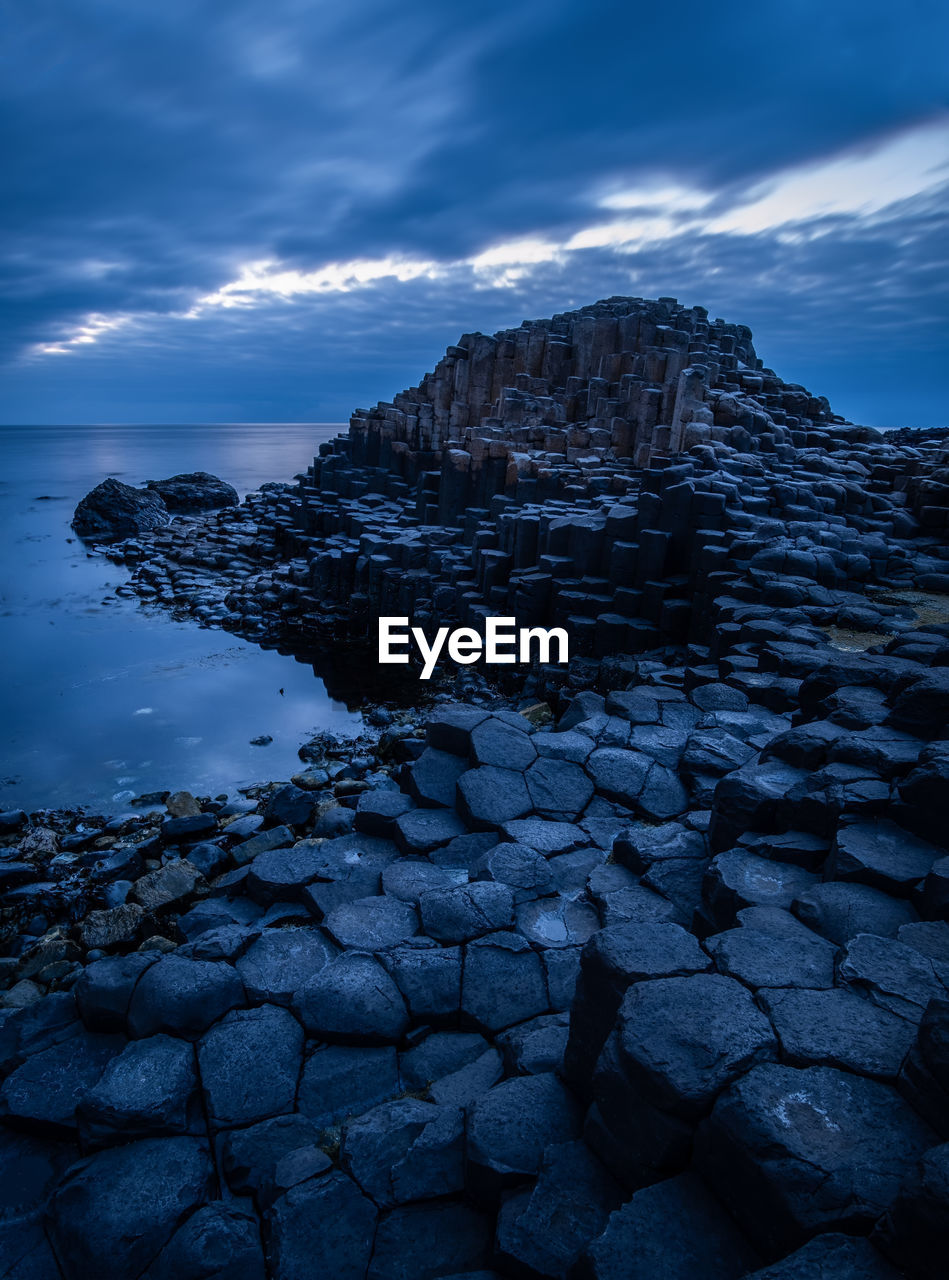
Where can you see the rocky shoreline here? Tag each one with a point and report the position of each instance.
(634, 966)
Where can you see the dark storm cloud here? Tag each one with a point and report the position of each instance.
(152, 151)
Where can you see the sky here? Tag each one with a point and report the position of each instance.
(225, 210)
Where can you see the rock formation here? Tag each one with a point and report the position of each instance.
(640, 969)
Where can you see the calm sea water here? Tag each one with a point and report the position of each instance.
(102, 698)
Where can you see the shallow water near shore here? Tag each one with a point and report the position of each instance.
(102, 698)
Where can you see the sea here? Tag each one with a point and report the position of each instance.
(104, 698)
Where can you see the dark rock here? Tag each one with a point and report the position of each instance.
(281, 961)
(422, 830)
(466, 911)
(893, 975)
(194, 491)
(619, 774)
(840, 911)
(495, 742)
(544, 1230)
(430, 1242)
(149, 1090)
(535, 1046)
(43, 1093)
(440, 1054)
(503, 981)
(218, 1242)
(104, 989)
(429, 979)
(352, 999)
(839, 1029)
(324, 1226)
(795, 1152)
(523, 869)
(263, 842)
(250, 1063)
(432, 778)
(372, 924)
(116, 510)
(682, 1040)
(737, 879)
(830, 1256)
(558, 789)
(510, 1126)
(191, 828)
(182, 997)
(915, 1231)
(762, 959)
(406, 1150)
(489, 796)
(545, 836)
(339, 1081)
(557, 922)
(376, 811)
(291, 807)
(611, 962)
(880, 854)
(124, 1204)
(670, 1230)
(254, 1159)
(449, 727)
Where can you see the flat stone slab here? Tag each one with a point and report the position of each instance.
(372, 924)
(838, 1028)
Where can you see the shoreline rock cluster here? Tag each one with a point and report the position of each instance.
(634, 967)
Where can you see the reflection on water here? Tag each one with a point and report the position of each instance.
(101, 698)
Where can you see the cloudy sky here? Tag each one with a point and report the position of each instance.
(230, 210)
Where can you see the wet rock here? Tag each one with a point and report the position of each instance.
(432, 778)
(168, 885)
(116, 510)
(114, 927)
(737, 879)
(125, 1203)
(497, 742)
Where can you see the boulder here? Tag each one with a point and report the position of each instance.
(194, 491)
(115, 510)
